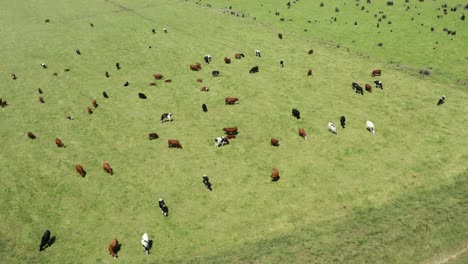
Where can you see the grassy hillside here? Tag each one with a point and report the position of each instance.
(399, 196)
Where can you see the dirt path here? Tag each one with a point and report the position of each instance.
(445, 259)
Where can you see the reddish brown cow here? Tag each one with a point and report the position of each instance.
(113, 246)
(204, 89)
(230, 100)
(153, 136)
(59, 143)
(199, 80)
(80, 170)
(168, 80)
(158, 76)
(376, 73)
(230, 130)
(31, 135)
(274, 142)
(302, 133)
(173, 143)
(227, 60)
(107, 168)
(194, 67)
(368, 87)
(198, 65)
(309, 72)
(275, 174)
(95, 105)
(41, 99)
(90, 111)
(230, 136)
(152, 84)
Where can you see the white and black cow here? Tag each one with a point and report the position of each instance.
(296, 113)
(221, 141)
(370, 127)
(207, 58)
(258, 53)
(215, 73)
(378, 84)
(207, 182)
(332, 128)
(145, 243)
(166, 117)
(441, 100)
(43, 65)
(357, 88)
(163, 207)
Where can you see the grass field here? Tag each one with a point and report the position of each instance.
(397, 197)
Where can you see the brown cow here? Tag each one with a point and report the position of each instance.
(204, 89)
(31, 135)
(194, 67)
(302, 133)
(274, 142)
(168, 80)
(376, 73)
(227, 60)
(309, 72)
(59, 143)
(275, 174)
(107, 168)
(239, 55)
(80, 170)
(41, 99)
(158, 76)
(90, 111)
(172, 143)
(113, 247)
(199, 80)
(368, 87)
(95, 103)
(153, 136)
(152, 84)
(198, 65)
(230, 130)
(230, 100)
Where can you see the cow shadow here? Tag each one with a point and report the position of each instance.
(117, 249)
(275, 179)
(150, 244)
(51, 241)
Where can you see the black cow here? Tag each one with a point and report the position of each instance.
(441, 100)
(117, 65)
(343, 121)
(207, 182)
(141, 95)
(296, 113)
(154, 31)
(78, 51)
(45, 240)
(104, 94)
(215, 73)
(107, 74)
(163, 207)
(281, 63)
(39, 90)
(13, 76)
(254, 69)
(126, 84)
(357, 88)
(205, 109)
(378, 84)
(280, 36)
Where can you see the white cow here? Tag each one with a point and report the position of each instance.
(332, 128)
(370, 127)
(145, 242)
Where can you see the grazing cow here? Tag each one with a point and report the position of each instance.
(107, 74)
(239, 55)
(254, 69)
(117, 65)
(59, 143)
(230, 130)
(274, 142)
(207, 58)
(66, 70)
(142, 96)
(39, 90)
(104, 94)
(41, 99)
(173, 143)
(378, 84)
(158, 76)
(126, 84)
(31, 135)
(43, 65)
(309, 72)
(199, 80)
(441, 100)
(145, 243)
(194, 67)
(204, 108)
(3, 104)
(90, 111)
(13, 76)
(153, 30)
(275, 174)
(152, 84)
(370, 127)
(163, 207)
(70, 117)
(357, 88)
(332, 128)
(113, 248)
(45, 240)
(310, 52)
(80, 170)
(368, 87)
(215, 73)
(230, 100)
(343, 121)
(166, 117)
(78, 51)
(258, 53)
(296, 113)
(227, 60)
(207, 182)
(107, 168)
(204, 89)
(168, 81)
(280, 36)
(153, 136)
(303, 133)
(281, 63)
(95, 105)
(376, 73)
(221, 141)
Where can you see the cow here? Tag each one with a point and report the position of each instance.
(230, 130)
(145, 243)
(230, 100)
(59, 143)
(152, 136)
(441, 100)
(41, 99)
(376, 73)
(280, 36)
(303, 133)
(31, 135)
(254, 69)
(221, 141)
(126, 84)
(70, 117)
(78, 51)
(153, 30)
(104, 94)
(281, 63)
(204, 108)
(378, 84)
(13, 76)
(239, 55)
(343, 121)
(117, 65)
(199, 80)
(94, 102)
(204, 89)
(113, 248)
(166, 117)
(107, 74)
(370, 127)
(368, 87)
(165, 30)
(311, 52)
(309, 72)
(332, 128)
(194, 67)
(158, 76)
(43, 65)
(173, 143)
(168, 81)
(207, 182)
(3, 103)
(80, 170)
(107, 168)
(215, 73)
(274, 142)
(45, 240)
(296, 113)
(163, 207)
(207, 58)
(142, 96)
(152, 84)
(275, 174)
(39, 90)
(90, 111)
(258, 53)
(357, 88)
(227, 60)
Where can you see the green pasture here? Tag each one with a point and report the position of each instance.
(399, 196)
